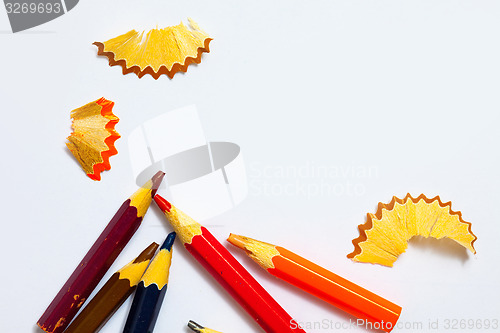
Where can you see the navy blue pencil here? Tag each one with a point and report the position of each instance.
(151, 291)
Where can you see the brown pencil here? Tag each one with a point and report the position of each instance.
(112, 294)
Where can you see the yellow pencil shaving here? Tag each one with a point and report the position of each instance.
(385, 235)
(158, 51)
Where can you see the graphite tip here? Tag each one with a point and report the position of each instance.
(194, 326)
(169, 241)
(156, 181)
(164, 205)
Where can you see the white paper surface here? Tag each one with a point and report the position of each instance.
(336, 105)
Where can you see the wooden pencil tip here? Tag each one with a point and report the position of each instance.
(164, 205)
(237, 240)
(156, 181)
(194, 326)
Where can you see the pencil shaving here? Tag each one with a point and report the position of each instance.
(158, 51)
(93, 139)
(385, 235)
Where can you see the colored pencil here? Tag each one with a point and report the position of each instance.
(200, 329)
(112, 295)
(151, 291)
(217, 260)
(99, 258)
(374, 310)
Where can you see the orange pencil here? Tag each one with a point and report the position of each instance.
(375, 311)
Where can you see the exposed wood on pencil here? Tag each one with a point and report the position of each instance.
(320, 282)
(112, 295)
(217, 260)
(99, 258)
(151, 291)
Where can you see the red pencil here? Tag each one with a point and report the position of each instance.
(99, 258)
(217, 260)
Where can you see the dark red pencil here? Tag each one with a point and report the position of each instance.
(217, 260)
(99, 258)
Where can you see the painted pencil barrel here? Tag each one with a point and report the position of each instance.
(240, 284)
(151, 291)
(112, 295)
(335, 290)
(90, 270)
(144, 311)
(98, 259)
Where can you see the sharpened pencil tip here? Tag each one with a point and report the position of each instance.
(163, 203)
(156, 181)
(147, 254)
(194, 326)
(169, 241)
(237, 240)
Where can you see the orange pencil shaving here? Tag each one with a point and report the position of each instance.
(93, 139)
(321, 283)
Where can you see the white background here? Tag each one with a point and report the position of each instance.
(408, 89)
